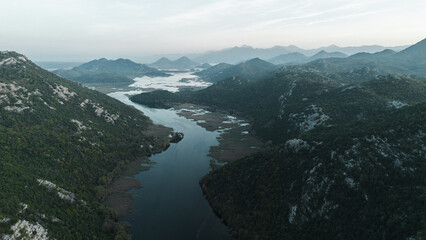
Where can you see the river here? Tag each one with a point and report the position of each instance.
(171, 205)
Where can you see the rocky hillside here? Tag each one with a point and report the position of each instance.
(60, 146)
(357, 181)
(298, 100)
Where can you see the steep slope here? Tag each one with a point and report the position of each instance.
(108, 71)
(297, 100)
(60, 146)
(253, 70)
(361, 181)
(415, 54)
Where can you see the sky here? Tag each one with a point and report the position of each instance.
(81, 30)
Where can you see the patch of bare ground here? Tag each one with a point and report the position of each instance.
(236, 139)
(118, 197)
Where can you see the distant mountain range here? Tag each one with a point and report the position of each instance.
(298, 58)
(108, 71)
(238, 54)
(182, 63)
(411, 60)
(348, 69)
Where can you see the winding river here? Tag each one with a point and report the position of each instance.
(171, 205)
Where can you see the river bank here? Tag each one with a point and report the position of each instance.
(236, 139)
(118, 197)
(171, 204)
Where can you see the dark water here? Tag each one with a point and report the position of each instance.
(170, 205)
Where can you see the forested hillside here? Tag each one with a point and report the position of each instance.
(354, 181)
(348, 160)
(298, 100)
(253, 70)
(60, 145)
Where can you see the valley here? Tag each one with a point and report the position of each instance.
(213, 120)
(321, 148)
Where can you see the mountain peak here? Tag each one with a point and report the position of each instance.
(258, 62)
(11, 58)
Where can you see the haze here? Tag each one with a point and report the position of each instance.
(77, 30)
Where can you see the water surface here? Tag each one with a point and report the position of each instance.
(171, 205)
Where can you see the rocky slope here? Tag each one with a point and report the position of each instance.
(298, 100)
(356, 181)
(60, 146)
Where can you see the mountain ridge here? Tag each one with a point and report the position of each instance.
(108, 71)
(182, 63)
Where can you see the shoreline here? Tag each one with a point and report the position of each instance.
(236, 139)
(118, 197)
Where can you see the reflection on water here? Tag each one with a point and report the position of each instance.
(171, 204)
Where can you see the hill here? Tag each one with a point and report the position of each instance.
(323, 54)
(210, 73)
(182, 63)
(356, 181)
(289, 58)
(61, 145)
(253, 70)
(108, 71)
(347, 164)
(298, 100)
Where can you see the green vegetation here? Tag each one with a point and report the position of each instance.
(348, 162)
(253, 70)
(297, 100)
(356, 181)
(53, 129)
(120, 71)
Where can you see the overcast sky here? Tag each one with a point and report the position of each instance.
(80, 30)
